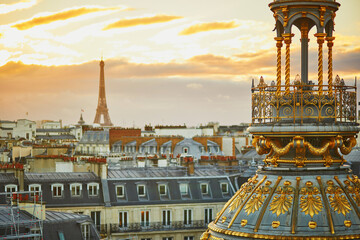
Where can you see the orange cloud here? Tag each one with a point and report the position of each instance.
(63, 15)
(204, 27)
(140, 21)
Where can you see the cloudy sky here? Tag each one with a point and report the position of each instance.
(166, 62)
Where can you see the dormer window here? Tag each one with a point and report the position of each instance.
(162, 189)
(120, 191)
(93, 189)
(57, 189)
(75, 189)
(11, 188)
(204, 188)
(35, 189)
(224, 188)
(184, 189)
(185, 150)
(141, 190)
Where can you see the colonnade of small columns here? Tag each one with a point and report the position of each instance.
(287, 39)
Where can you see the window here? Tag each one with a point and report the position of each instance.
(75, 189)
(204, 188)
(224, 188)
(85, 231)
(185, 150)
(95, 216)
(57, 190)
(35, 189)
(120, 191)
(208, 215)
(145, 218)
(167, 238)
(166, 217)
(184, 189)
(141, 190)
(123, 219)
(187, 216)
(93, 189)
(189, 238)
(11, 188)
(162, 189)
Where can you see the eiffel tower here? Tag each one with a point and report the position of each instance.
(102, 109)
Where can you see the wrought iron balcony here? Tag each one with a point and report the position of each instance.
(157, 226)
(303, 104)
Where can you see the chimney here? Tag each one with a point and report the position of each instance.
(189, 163)
(103, 170)
(20, 176)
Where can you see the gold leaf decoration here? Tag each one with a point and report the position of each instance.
(282, 203)
(310, 204)
(237, 201)
(255, 202)
(354, 191)
(356, 197)
(338, 202)
(244, 190)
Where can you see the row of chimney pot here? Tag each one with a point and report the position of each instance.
(12, 166)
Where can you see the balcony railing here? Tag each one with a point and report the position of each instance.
(303, 104)
(157, 226)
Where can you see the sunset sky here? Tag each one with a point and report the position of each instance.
(166, 62)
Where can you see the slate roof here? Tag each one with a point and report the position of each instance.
(353, 156)
(172, 178)
(66, 178)
(60, 176)
(59, 137)
(95, 137)
(68, 224)
(6, 218)
(7, 178)
(54, 130)
(250, 155)
(162, 172)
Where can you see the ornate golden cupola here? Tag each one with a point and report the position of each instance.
(304, 191)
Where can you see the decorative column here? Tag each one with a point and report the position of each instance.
(279, 45)
(330, 45)
(320, 40)
(304, 52)
(287, 40)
